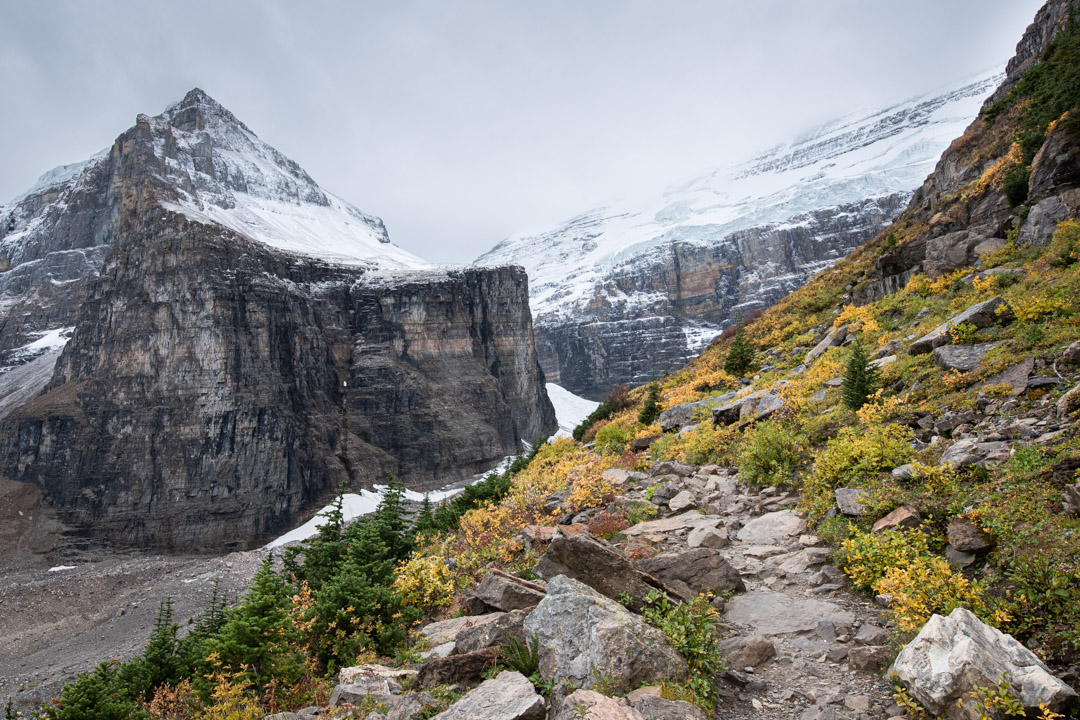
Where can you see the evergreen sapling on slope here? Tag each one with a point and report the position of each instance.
(860, 378)
(740, 357)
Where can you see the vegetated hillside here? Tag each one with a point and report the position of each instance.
(970, 428)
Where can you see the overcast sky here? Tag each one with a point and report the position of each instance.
(460, 123)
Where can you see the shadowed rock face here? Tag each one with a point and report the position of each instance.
(215, 392)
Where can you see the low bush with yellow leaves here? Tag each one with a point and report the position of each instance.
(929, 585)
(865, 557)
(852, 457)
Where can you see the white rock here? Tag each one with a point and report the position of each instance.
(951, 654)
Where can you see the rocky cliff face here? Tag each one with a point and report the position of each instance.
(622, 293)
(217, 389)
(962, 212)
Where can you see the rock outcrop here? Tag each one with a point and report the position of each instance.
(584, 636)
(508, 696)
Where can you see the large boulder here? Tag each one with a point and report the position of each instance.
(505, 592)
(655, 707)
(447, 630)
(834, 337)
(969, 451)
(695, 571)
(966, 536)
(584, 636)
(684, 414)
(850, 501)
(509, 696)
(775, 528)
(598, 565)
(964, 358)
(984, 314)
(411, 706)
(951, 655)
(492, 634)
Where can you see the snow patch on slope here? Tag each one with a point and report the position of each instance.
(570, 410)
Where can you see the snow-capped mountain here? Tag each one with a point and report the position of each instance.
(197, 159)
(613, 288)
(220, 172)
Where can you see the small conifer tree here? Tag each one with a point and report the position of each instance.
(860, 378)
(740, 356)
(651, 408)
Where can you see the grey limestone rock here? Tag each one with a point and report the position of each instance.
(686, 413)
(508, 696)
(505, 592)
(656, 707)
(849, 500)
(984, 314)
(584, 635)
(492, 634)
(964, 358)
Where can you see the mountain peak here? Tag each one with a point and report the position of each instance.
(197, 111)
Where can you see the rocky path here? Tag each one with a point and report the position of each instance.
(800, 644)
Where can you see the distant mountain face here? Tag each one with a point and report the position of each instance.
(199, 346)
(624, 291)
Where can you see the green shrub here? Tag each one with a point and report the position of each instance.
(1015, 184)
(851, 458)
(771, 453)
(692, 628)
(612, 439)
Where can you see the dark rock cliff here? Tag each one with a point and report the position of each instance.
(215, 390)
(692, 285)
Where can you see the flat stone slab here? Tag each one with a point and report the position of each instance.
(773, 613)
(775, 528)
(689, 520)
(763, 551)
(447, 630)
